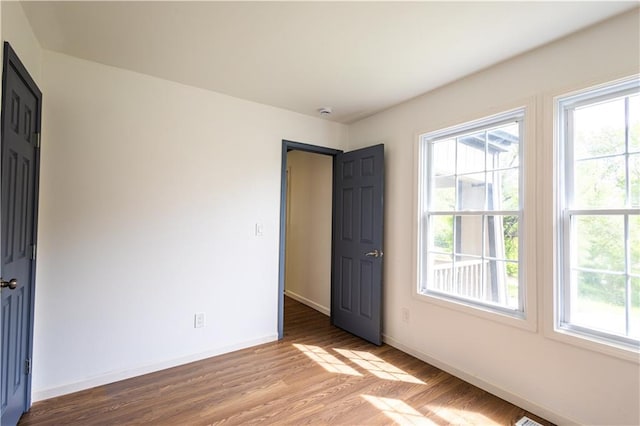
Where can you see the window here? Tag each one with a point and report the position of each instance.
(598, 291)
(471, 214)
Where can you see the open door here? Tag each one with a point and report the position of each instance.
(356, 275)
(21, 106)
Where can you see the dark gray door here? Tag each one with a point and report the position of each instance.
(21, 102)
(356, 293)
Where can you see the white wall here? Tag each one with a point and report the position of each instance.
(16, 29)
(560, 381)
(2, 39)
(308, 269)
(150, 192)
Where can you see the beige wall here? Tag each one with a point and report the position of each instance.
(308, 267)
(561, 381)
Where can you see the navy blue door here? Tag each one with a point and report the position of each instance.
(356, 293)
(21, 102)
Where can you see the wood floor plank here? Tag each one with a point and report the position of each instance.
(317, 374)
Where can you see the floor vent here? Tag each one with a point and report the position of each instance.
(526, 421)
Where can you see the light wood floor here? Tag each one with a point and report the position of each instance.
(317, 374)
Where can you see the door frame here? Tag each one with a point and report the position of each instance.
(286, 147)
(11, 59)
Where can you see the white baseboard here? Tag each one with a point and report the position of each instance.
(518, 400)
(482, 384)
(39, 395)
(310, 303)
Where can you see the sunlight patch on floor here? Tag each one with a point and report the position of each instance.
(398, 411)
(326, 360)
(377, 366)
(456, 416)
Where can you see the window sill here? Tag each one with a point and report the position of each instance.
(594, 344)
(517, 319)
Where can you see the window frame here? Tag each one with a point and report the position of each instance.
(564, 105)
(525, 315)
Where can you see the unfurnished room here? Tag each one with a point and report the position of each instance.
(317, 212)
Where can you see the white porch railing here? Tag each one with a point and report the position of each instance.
(466, 282)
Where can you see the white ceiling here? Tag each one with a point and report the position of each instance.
(357, 57)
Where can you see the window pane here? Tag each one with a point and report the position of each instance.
(494, 237)
(440, 272)
(471, 191)
(468, 282)
(600, 242)
(513, 290)
(470, 176)
(634, 180)
(444, 194)
(600, 183)
(469, 232)
(502, 193)
(634, 243)
(634, 123)
(501, 283)
(599, 129)
(634, 323)
(502, 151)
(442, 239)
(444, 157)
(501, 237)
(471, 153)
(604, 249)
(599, 302)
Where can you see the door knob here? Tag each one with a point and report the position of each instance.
(374, 253)
(12, 283)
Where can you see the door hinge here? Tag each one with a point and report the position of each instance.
(33, 252)
(27, 366)
(38, 140)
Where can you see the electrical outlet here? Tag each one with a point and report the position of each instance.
(405, 315)
(198, 320)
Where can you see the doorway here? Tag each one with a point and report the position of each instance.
(306, 200)
(357, 231)
(308, 229)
